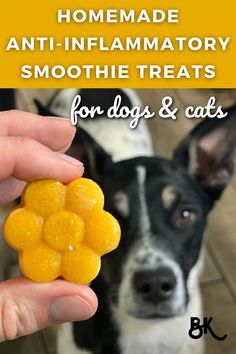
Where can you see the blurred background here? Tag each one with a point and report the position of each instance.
(218, 282)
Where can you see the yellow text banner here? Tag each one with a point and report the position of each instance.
(100, 43)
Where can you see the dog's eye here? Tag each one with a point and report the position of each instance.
(185, 216)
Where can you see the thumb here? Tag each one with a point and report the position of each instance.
(26, 307)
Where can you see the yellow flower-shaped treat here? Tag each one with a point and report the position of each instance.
(62, 230)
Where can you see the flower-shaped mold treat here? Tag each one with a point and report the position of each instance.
(62, 230)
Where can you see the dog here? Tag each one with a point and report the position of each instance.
(149, 287)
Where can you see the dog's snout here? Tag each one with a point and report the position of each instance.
(154, 285)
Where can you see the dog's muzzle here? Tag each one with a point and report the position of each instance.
(154, 290)
(154, 286)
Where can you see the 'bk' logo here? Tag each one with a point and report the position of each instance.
(198, 329)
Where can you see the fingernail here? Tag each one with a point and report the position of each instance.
(70, 159)
(70, 308)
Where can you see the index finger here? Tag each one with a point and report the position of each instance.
(55, 133)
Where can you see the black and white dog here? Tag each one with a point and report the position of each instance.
(149, 287)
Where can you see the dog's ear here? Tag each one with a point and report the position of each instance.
(88, 151)
(207, 153)
(43, 110)
(84, 148)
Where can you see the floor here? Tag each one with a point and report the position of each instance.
(218, 281)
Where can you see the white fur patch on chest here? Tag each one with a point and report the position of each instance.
(152, 337)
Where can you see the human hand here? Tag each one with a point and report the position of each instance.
(31, 147)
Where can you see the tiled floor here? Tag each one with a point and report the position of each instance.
(219, 277)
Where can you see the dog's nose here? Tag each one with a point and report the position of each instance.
(155, 285)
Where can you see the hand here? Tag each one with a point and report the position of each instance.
(31, 147)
